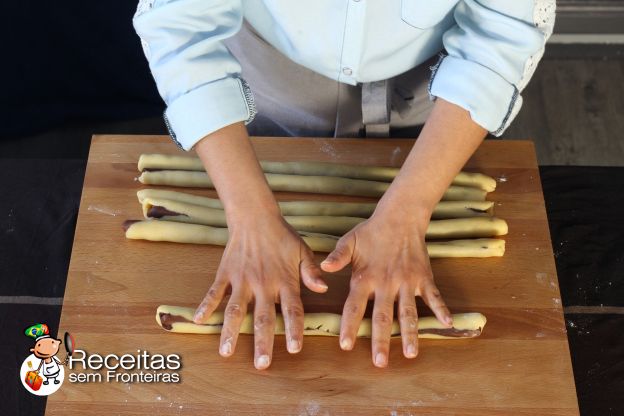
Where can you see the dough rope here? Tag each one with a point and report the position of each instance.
(374, 173)
(437, 229)
(179, 232)
(327, 185)
(444, 209)
(180, 320)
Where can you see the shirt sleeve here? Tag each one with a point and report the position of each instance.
(492, 52)
(196, 75)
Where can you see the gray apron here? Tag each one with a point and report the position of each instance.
(295, 101)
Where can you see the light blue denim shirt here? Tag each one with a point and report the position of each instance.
(492, 48)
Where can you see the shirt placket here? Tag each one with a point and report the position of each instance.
(352, 41)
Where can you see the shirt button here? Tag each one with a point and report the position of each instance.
(347, 71)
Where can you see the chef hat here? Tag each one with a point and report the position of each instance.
(38, 331)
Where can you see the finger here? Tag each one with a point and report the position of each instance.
(292, 310)
(382, 327)
(234, 314)
(341, 256)
(311, 273)
(432, 297)
(264, 330)
(211, 300)
(352, 314)
(408, 320)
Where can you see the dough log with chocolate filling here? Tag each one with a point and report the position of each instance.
(449, 228)
(179, 232)
(444, 209)
(180, 320)
(151, 162)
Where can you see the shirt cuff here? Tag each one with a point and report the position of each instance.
(208, 108)
(492, 101)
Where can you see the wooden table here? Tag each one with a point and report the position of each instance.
(520, 365)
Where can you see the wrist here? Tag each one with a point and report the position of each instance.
(258, 225)
(254, 211)
(415, 191)
(403, 215)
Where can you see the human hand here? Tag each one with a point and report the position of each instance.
(389, 261)
(263, 260)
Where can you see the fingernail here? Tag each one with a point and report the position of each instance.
(226, 348)
(323, 285)
(198, 316)
(262, 361)
(449, 320)
(327, 261)
(380, 359)
(294, 346)
(346, 343)
(411, 351)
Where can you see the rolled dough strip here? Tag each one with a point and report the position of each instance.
(374, 173)
(155, 230)
(169, 210)
(157, 161)
(462, 209)
(178, 232)
(475, 247)
(195, 214)
(143, 194)
(467, 228)
(307, 184)
(438, 229)
(444, 209)
(180, 320)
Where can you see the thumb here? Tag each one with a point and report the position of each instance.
(311, 274)
(341, 256)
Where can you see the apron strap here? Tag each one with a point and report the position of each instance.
(376, 108)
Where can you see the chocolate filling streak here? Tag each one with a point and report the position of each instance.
(159, 212)
(452, 332)
(127, 223)
(167, 320)
(161, 169)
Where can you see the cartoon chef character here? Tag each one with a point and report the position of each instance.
(45, 349)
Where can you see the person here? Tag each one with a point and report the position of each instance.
(342, 68)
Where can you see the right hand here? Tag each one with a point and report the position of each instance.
(263, 260)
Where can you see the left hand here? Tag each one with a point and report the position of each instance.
(390, 261)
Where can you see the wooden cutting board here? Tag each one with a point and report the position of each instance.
(519, 366)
